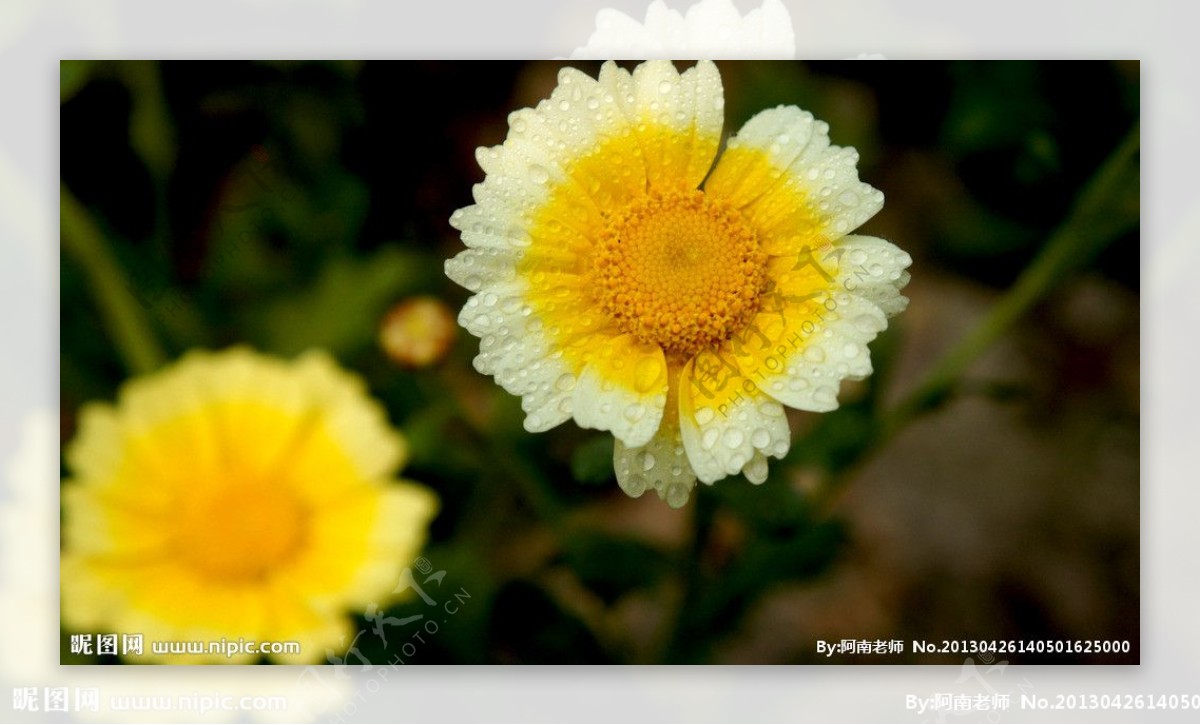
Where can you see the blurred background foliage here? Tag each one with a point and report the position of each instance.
(983, 483)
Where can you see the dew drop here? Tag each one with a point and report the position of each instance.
(733, 438)
(634, 485)
(710, 439)
(704, 415)
(756, 470)
(760, 438)
(866, 323)
(770, 409)
(824, 395)
(565, 382)
(539, 174)
(648, 461)
(646, 374)
(664, 87)
(677, 495)
(850, 350)
(814, 353)
(635, 412)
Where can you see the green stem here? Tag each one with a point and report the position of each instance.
(120, 312)
(1088, 228)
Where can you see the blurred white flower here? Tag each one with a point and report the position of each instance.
(29, 553)
(711, 29)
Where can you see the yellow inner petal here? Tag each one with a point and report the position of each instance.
(230, 483)
(241, 530)
(678, 270)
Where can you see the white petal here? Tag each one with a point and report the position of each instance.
(690, 106)
(795, 187)
(722, 438)
(632, 412)
(874, 269)
(473, 268)
(661, 465)
(806, 368)
(514, 348)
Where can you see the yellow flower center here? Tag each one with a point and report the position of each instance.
(241, 531)
(679, 270)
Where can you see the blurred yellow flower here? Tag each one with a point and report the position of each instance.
(235, 496)
(624, 280)
(417, 332)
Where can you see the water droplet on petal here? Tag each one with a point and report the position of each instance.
(733, 438)
(677, 495)
(825, 395)
(634, 485)
(664, 87)
(710, 438)
(647, 373)
(761, 438)
(634, 412)
(704, 415)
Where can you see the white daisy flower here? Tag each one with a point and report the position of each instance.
(709, 29)
(624, 280)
